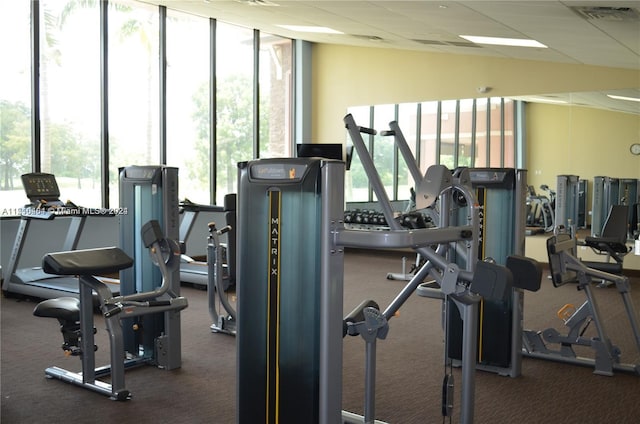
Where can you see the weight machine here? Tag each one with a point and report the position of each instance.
(290, 325)
(223, 322)
(76, 315)
(566, 268)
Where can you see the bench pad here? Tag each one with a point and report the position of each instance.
(86, 262)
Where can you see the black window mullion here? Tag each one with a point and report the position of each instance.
(36, 160)
(418, 145)
(502, 129)
(456, 137)
(488, 147)
(438, 132)
(162, 77)
(213, 115)
(371, 147)
(256, 93)
(104, 102)
(396, 159)
(472, 153)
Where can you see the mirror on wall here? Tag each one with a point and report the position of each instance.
(627, 100)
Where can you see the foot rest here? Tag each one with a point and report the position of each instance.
(86, 262)
(62, 308)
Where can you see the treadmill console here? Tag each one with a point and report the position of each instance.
(41, 188)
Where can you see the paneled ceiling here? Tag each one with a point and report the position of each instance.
(600, 33)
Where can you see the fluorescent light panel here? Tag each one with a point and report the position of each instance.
(545, 100)
(314, 29)
(499, 41)
(631, 99)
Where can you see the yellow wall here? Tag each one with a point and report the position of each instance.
(580, 141)
(346, 76)
(560, 139)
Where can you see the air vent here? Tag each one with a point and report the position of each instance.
(448, 43)
(431, 42)
(605, 13)
(367, 37)
(258, 3)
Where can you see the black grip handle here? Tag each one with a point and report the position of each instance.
(113, 310)
(159, 302)
(366, 130)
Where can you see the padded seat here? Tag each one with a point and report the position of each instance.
(62, 308)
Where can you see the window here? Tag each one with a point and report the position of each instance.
(407, 121)
(70, 99)
(384, 147)
(188, 110)
(454, 133)
(234, 59)
(482, 133)
(15, 103)
(428, 135)
(275, 96)
(356, 181)
(133, 89)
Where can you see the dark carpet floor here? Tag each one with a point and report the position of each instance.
(409, 374)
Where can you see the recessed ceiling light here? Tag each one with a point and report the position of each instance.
(314, 29)
(631, 99)
(499, 41)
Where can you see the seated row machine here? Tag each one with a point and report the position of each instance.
(76, 315)
(565, 268)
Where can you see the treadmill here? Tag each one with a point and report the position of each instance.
(196, 272)
(44, 195)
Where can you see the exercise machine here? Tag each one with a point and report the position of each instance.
(290, 325)
(606, 192)
(567, 202)
(612, 243)
(221, 311)
(193, 271)
(45, 205)
(439, 193)
(583, 208)
(630, 197)
(149, 193)
(540, 211)
(501, 194)
(76, 316)
(566, 268)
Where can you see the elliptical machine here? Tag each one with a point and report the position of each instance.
(541, 210)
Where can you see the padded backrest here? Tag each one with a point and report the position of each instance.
(616, 224)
